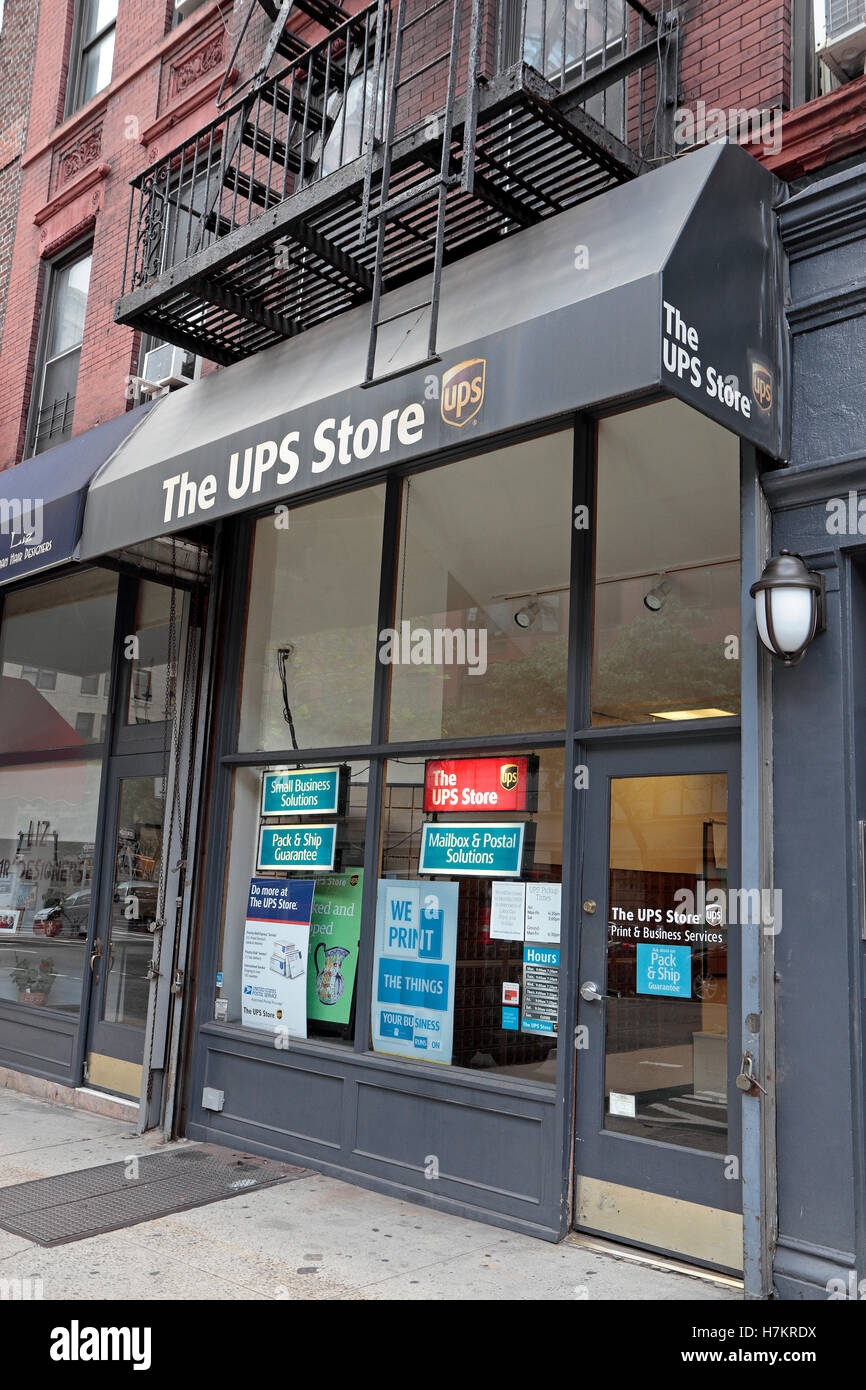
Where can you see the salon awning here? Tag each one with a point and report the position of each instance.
(670, 283)
(42, 499)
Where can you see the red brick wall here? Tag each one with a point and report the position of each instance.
(735, 53)
(17, 50)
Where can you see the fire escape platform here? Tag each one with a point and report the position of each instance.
(302, 260)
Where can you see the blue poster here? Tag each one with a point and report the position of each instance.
(665, 970)
(413, 969)
(275, 955)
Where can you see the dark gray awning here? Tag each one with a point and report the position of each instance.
(672, 282)
(42, 499)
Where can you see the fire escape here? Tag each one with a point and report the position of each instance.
(410, 134)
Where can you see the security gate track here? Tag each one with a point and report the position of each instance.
(92, 1201)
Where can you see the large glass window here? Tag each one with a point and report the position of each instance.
(310, 647)
(667, 569)
(70, 623)
(481, 621)
(47, 832)
(466, 967)
(295, 976)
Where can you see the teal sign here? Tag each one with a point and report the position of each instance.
(296, 847)
(483, 850)
(308, 791)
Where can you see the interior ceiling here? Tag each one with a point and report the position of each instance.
(668, 491)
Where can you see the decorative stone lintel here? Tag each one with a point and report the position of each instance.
(95, 174)
(195, 98)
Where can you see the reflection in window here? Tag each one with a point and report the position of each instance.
(667, 580)
(580, 33)
(310, 648)
(481, 621)
(47, 832)
(150, 699)
(134, 900)
(71, 622)
(666, 1013)
(66, 302)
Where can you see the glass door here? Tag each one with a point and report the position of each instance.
(657, 1141)
(127, 911)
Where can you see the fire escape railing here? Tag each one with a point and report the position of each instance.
(304, 122)
(614, 61)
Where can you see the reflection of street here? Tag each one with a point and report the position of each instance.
(127, 985)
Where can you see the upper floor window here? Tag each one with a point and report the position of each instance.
(93, 51)
(184, 8)
(56, 378)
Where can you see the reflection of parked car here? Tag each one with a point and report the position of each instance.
(138, 914)
(70, 918)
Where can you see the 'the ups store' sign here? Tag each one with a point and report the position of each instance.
(494, 784)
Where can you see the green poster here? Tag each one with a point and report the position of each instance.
(334, 936)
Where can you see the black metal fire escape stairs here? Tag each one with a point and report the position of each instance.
(391, 141)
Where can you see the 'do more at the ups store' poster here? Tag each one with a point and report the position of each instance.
(334, 936)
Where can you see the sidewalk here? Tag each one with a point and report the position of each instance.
(314, 1238)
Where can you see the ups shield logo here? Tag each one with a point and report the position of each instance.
(762, 387)
(463, 392)
(508, 776)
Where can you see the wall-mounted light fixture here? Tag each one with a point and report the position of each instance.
(790, 606)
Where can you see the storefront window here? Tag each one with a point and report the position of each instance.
(47, 832)
(310, 648)
(292, 920)
(480, 635)
(667, 577)
(55, 660)
(466, 968)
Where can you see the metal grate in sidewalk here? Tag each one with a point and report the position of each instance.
(91, 1201)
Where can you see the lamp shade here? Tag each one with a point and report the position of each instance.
(789, 606)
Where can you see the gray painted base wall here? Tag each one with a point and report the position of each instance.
(384, 1123)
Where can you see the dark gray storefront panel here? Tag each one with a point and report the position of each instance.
(37, 1042)
(379, 1123)
(819, 771)
(564, 316)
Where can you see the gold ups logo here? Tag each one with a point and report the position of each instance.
(463, 392)
(762, 387)
(508, 777)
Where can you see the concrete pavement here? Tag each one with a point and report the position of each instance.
(312, 1238)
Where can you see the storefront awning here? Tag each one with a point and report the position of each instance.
(670, 283)
(42, 499)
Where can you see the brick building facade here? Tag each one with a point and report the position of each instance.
(72, 179)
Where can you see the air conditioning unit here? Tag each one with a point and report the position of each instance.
(166, 367)
(844, 47)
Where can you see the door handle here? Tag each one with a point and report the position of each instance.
(589, 991)
(97, 953)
